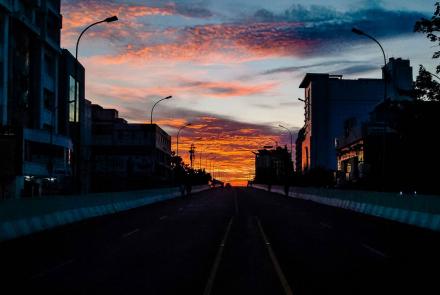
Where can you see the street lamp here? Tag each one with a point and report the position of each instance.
(107, 20)
(362, 33)
(76, 101)
(291, 140)
(152, 109)
(180, 129)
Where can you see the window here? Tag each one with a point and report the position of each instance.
(49, 99)
(73, 103)
(53, 27)
(49, 64)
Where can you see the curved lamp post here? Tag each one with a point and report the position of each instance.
(362, 33)
(178, 133)
(107, 20)
(75, 101)
(152, 109)
(291, 139)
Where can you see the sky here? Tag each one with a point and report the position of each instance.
(233, 67)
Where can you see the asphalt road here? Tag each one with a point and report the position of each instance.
(225, 241)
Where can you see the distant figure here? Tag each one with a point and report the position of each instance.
(286, 189)
(188, 188)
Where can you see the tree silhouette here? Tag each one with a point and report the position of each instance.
(426, 88)
(431, 27)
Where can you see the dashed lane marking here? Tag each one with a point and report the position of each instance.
(126, 235)
(374, 251)
(236, 202)
(212, 275)
(52, 269)
(326, 225)
(276, 264)
(163, 217)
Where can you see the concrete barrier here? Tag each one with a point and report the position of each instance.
(20, 217)
(419, 210)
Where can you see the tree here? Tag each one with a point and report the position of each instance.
(425, 87)
(431, 27)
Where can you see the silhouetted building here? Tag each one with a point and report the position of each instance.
(273, 166)
(75, 118)
(299, 150)
(395, 149)
(127, 156)
(35, 149)
(330, 100)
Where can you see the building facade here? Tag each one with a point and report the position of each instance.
(35, 149)
(127, 156)
(330, 100)
(394, 150)
(273, 166)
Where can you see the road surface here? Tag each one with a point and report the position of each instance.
(225, 241)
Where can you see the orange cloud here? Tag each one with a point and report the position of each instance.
(222, 144)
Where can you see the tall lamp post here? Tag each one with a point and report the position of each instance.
(362, 33)
(291, 140)
(178, 133)
(107, 20)
(152, 109)
(384, 73)
(75, 101)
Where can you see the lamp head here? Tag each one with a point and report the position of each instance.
(357, 31)
(111, 19)
(168, 97)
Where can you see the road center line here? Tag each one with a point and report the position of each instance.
(126, 235)
(236, 202)
(212, 275)
(374, 251)
(326, 225)
(163, 217)
(51, 270)
(276, 264)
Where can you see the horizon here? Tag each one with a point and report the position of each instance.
(254, 54)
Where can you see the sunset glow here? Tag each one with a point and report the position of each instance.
(233, 71)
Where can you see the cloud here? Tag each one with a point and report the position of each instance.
(228, 142)
(299, 31)
(343, 67)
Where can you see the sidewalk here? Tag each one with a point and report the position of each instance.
(418, 210)
(19, 217)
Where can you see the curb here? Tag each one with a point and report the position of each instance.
(416, 218)
(21, 227)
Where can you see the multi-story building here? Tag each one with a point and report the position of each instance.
(273, 166)
(395, 149)
(36, 148)
(330, 100)
(125, 155)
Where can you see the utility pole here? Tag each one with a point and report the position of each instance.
(192, 154)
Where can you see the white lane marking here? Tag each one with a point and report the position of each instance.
(163, 217)
(210, 283)
(374, 251)
(236, 202)
(276, 264)
(52, 269)
(326, 225)
(126, 235)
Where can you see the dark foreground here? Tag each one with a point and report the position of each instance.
(225, 241)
